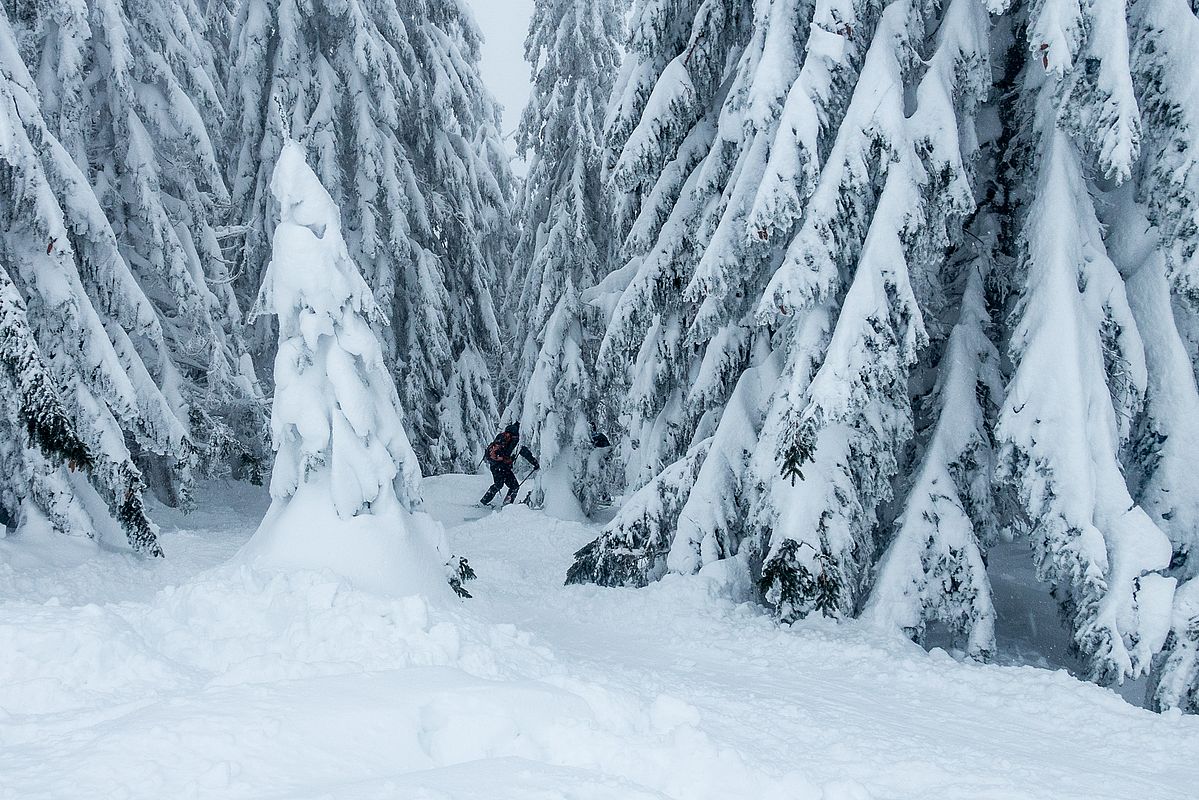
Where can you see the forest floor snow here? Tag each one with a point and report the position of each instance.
(191, 678)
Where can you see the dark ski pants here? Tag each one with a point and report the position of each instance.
(502, 475)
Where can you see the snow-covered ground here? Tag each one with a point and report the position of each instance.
(191, 678)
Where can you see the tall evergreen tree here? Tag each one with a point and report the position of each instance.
(565, 245)
(817, 235)
(387, 99)
(345, 486)
(128, 90)
(84, 311)
(934, 568)
(1165, 76)
(1158, 456)
(1072, 320)
(869, 225)
(660, 132)
(38, 443)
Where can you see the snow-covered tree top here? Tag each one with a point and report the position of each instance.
(311, 267)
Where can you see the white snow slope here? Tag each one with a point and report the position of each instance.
(190, 678)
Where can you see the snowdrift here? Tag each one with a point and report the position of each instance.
(217, 679)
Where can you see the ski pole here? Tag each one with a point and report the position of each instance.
(525, 478)
(522, 483)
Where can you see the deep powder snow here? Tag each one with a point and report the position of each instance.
(191, 677)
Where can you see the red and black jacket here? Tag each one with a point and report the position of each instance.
(503, 450)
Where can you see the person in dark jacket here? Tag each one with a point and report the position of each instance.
(501, 456)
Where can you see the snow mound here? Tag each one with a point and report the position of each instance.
(61, 659)
(233, 625)
(393, 553)
(317, 677)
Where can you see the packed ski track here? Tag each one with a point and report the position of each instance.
(197, 677)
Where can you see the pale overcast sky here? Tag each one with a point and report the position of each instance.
(505, 23)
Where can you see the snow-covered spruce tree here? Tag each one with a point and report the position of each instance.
(893, 189)
(128, 89)
(346, 484)
(38, 443)
(54, 242)
(565, 244)
(889, 195)
(800, 59)
(51, 477)
(656, 382)
(558, 402)
(696, 111)
(733, 383)
(1073, 330)
(1164, 34)
(469, 192)
(934, 569)
(386, 96)
(662, 139)
(1158, 457)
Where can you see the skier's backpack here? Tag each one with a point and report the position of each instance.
(495, 450)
